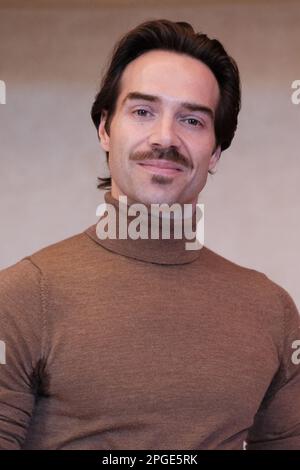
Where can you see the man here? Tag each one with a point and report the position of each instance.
(138, 343)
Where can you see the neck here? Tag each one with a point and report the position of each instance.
(156, 233)
(118, 195)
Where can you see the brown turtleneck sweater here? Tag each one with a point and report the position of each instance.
(141, 344)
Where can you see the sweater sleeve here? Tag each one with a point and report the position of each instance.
(21, 343)
(277, 423)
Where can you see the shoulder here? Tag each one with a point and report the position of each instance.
(224, 268)
(64, 256)
(23, 277)
(62, 253)
(246, 282)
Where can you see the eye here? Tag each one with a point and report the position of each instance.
(141, 112)
(194, 122)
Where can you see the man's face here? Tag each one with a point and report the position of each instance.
(162, 141)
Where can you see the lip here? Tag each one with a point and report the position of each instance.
(162, 167)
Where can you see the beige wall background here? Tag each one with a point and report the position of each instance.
(52, 55)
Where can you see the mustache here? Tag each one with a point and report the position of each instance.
(169, 154)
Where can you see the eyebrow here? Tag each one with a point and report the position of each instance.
(135, 95)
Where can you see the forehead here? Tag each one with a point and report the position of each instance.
(173, 76)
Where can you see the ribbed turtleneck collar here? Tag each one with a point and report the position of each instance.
(161, 251)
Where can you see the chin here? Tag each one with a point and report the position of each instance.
(159, 199)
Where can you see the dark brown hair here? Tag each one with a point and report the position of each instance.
(178, 37)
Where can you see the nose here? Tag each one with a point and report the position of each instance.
(164, 133)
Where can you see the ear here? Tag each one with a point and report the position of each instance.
(103, 136)
(215, 157)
